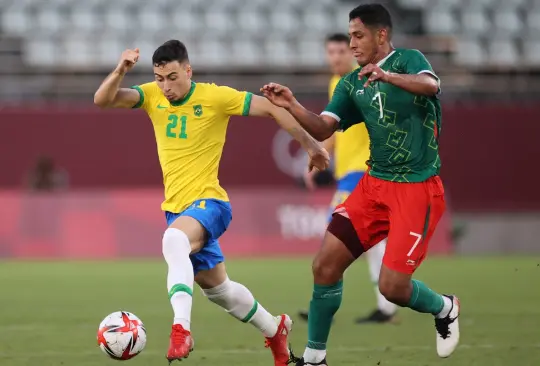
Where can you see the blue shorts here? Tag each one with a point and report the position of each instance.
(344, 188)
(215, 216)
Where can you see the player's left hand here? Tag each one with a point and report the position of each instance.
(374, 73)
(318, 159)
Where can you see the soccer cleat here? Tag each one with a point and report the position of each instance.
(377, 317)
(278, 344)
(448, 329)
(300, 361)
(181, 344)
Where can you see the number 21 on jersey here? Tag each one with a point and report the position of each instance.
(172, 127)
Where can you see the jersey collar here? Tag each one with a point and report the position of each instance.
(380, 63)
(183, 101)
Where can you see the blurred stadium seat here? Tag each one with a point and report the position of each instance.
(280, 37)
(91, 19)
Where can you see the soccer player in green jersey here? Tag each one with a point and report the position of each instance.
(401, 197)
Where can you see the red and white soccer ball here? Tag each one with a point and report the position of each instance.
(121, 335)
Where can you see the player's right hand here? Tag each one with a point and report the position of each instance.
(128, 59)
(278, 94)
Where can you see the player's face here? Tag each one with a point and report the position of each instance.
(339, 57)
(365, 42)
(174, 79)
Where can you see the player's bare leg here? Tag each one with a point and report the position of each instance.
(185, 236)
(239, 302)
(329, 264)
(385, 311)
(402, 290)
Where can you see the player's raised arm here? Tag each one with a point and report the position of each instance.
(109, 93)
(416, 75)
(320, 127)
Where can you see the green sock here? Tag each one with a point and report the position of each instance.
(324, 304)
(425, 300)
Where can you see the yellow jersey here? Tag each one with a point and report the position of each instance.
(351, 150)
(190, 135)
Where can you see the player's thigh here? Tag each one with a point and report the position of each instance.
(211, 278)
(369, 219)
(206, 221)
(415, 210)
(334, 256)
(194, 230)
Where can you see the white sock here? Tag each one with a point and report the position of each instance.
(446, 308)
(314, 355)
(375, 257)
(238, 301)
(176, 250)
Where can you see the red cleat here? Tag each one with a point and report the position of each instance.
(181, 343)
(279, 344)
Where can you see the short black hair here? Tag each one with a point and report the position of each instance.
(338, 37)
(372, 15)
(170, 51)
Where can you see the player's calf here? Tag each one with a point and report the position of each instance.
(330, 263)
(239, 302)
(402, 290)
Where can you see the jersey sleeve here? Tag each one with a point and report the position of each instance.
(414, 62)
(233, 102)
(146, 93)
(342, 107)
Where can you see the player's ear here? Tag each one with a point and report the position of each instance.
(189, 70)
(382, 36)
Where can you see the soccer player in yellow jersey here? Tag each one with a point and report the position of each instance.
(351, 152)
(190, 120)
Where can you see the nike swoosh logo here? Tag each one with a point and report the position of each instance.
(161, 107)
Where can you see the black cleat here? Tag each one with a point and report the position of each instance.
(448, 329)
(300, 361)
(377, 317)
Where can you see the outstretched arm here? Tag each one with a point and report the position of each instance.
(414, 74)
(263, 107)
(109, 93)
(320, 127)
(419, 84)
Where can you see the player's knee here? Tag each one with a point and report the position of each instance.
(394, 292)
(175, 242)
(324, 272)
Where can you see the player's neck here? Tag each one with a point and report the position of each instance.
(187, 90)
(383, 52)
(341, 74)
(185, 93)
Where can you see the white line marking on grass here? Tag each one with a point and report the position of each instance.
(248, 351)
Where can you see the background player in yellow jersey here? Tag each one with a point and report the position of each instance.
(351, 152)
(190, 121)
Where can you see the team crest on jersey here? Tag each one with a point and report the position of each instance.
(197, 110)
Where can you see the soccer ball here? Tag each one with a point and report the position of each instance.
(121, 335)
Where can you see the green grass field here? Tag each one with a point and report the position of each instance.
(49, 313)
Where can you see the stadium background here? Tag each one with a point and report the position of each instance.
(54, 54)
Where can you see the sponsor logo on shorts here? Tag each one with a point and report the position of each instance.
(410, 262)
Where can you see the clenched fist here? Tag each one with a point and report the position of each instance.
(128, 59)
